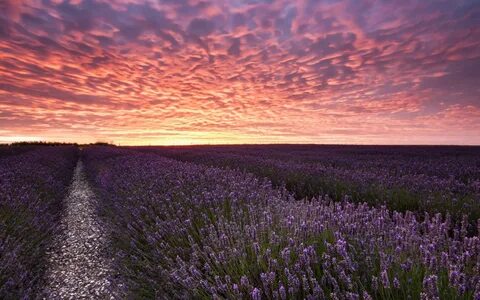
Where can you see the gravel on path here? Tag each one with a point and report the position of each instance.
(79, 264)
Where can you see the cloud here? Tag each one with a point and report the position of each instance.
(200, 27)
(311, 71)
(50, 92)
(234, 49)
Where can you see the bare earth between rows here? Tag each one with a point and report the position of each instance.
(79, 267)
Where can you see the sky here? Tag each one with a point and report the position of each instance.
(240, 71)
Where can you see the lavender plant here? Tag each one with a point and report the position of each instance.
(432, 179)
(190, 231)
(32, 186)
(8, 150)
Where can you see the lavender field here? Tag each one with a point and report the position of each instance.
(415, 178)
(33, 183)
(250, 222)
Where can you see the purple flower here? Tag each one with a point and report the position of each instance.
(385, 279)
(367, 296)
(430, 289)
(256, 294)
(396, 283)
(239, 220)
(282, 292)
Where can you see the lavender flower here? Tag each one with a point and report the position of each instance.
(430, 290)
(256, 294)
(385, 279)
(239, 223)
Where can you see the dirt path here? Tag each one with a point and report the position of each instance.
(79, 266)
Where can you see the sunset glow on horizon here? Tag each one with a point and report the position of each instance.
(180, 72)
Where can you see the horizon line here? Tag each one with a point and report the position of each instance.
(233, 144)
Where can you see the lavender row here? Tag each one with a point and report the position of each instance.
(433, 179)
(7, 150)
(32, 186)
(189, 231)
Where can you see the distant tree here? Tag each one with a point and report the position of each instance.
(102, 144)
